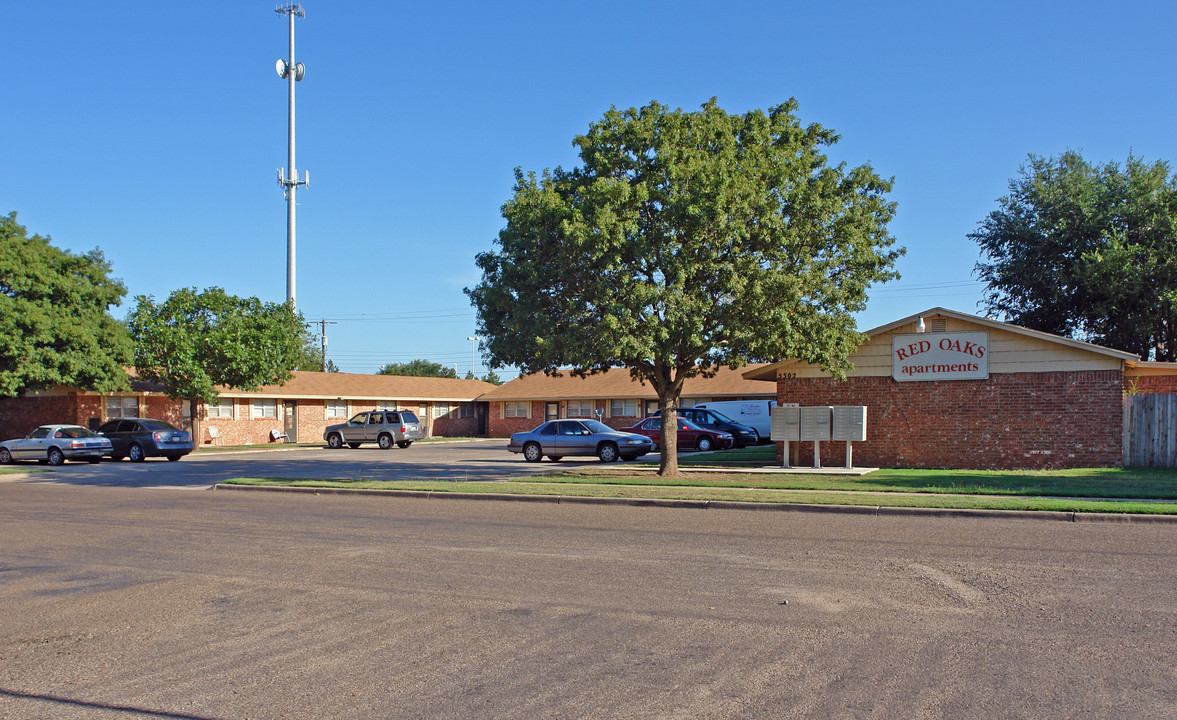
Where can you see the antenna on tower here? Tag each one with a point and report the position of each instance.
(291, 72)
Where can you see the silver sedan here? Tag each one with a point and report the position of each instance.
(557, 438)
(54, 444)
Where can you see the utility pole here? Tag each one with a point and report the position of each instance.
(291, 72)
(323, 329)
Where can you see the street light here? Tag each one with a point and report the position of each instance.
(473, 349)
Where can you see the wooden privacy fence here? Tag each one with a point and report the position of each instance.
(1150, 431)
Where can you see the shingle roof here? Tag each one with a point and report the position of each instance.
(320, 385)
(617, 383)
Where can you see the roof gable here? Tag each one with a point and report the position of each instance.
(1013, 349)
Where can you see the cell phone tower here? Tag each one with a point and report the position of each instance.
(291, 72)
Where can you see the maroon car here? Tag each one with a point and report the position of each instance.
(690, 435)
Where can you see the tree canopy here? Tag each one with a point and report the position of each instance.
(195, 341)
(55, 326)
(686, 241)
(418, 368)
(1087, 251)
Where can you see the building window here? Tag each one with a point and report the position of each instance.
(222, 408)
(580, 409)
(386, 405)
(119, 407)
(442, 410)
(265, 409)
(516, 409)
(691, 402)
(467, 410)
(623, 408)
(337, 408)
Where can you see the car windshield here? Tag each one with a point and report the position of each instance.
(157, 425)
(408, 417)
(596, 426)
(721, 416)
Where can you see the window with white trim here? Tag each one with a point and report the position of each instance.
(690, 402)
(337, 408)
(580, 409)
(516, 409)
(265, 409)
(386, 405)
(623, 408)
(120, 407)
(467, 410)
(222, 408)
(442, 410)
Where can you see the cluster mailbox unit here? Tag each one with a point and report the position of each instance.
(798, 424)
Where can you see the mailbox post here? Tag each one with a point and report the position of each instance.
(786, 427)
(815, 426)
(849, 425)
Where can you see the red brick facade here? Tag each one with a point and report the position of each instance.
(501, 426)
(1021, 420)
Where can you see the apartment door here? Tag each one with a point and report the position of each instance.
(551, 411)
(290, 421)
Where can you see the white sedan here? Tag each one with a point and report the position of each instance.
(54, 444)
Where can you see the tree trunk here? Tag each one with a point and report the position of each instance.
(194, 407)
(668, 466)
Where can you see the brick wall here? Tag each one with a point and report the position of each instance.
(1024, 420)
(19, 415)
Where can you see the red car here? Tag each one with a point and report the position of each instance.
(690, 435)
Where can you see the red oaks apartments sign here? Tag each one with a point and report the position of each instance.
(940, 356)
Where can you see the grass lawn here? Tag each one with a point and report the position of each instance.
(1110, 490)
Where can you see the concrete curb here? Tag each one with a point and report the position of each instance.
(869, 510)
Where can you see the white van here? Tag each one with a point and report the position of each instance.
(753, 413)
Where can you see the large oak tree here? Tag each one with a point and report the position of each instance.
(1088, 251)
(55, 323)
(194, 341)
(686, 241)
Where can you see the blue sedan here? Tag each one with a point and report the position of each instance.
(557, 438)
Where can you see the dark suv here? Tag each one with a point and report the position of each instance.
(714, 420)
(140, 438)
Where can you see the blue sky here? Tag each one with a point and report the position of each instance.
(154, 130)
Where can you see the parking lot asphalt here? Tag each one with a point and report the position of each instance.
(476, 459)
(208, 606)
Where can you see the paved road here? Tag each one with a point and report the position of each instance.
(461, 460)
(126, 602)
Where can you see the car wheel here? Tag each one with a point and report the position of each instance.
(607, 452)
(384, 441)
(353, 446)
(136, 454)
(404, 443)
(334, 441)
(95, 461)
(704, 443)
(532, 452)
(5, 456)
(173, 458)
(55, 457)
(555, 458)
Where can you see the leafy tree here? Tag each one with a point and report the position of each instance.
(195, 341)
(55, 326)
(492, 377)
(418, 368)
(686, 241)
(1087, 251)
